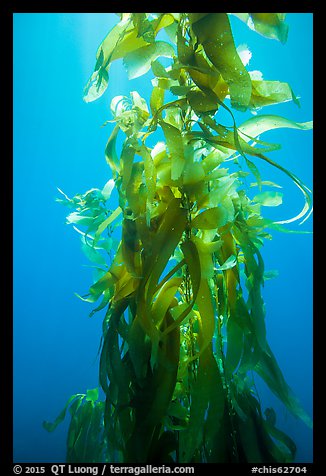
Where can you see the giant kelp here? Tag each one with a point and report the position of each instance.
(184, 327)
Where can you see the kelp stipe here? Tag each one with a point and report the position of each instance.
(184, 329)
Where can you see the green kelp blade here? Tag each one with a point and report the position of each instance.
(112, 368)
(192, 261)
(231, 140)
(164, 299)
(235, 142)
(251, 445)
(270, 25)
(74, 430)
(126, 163)
(193, 173)
(96, 445)
(170, 274)
(96, 85)
(125, 286)
(177, 410)
(52, 426)
(214, 420)
(268, 369)
(255, 126)
(138, 62)
(269, 183)
(165, 375)
(204, 75)
(143, 26)
(156, 99)
(307, 207)
(104, 283)
(175, 146)
(260, 124)
(139, 348)
(107, 189)
(91, 441)
(205, 252)
(235, 343)
(204, 302)
(158, 391)
(116, 369)
(139, 105)
(271, 274)
(265, 93)
(134, 38)
(111, 154)
(284, 443)
(98, 81)
(106, 223)
(92, 395)
(76, 217)
(124, 38)
(261, 223)
(136, 200)
(121, 40)
(130, 247)
(204, 299)
(159, 70)
(150, 180)
(255, 442)
(255, 301)
(201, 102)
(269, 199)
(229, 263)
(207, 399)
(210, 219)
(213, 31)
(166, 240)
(77, 435)
(267, 146)
(106, 298)
(92, 253)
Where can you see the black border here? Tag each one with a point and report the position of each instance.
(6, 321)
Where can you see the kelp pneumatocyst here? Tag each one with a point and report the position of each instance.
(184, 318)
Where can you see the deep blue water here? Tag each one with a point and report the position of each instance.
(58, 142)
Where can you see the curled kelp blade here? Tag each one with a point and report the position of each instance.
(138, 62)
(271, 25)
(252, 128)
(98, 81)
(307, 207)
(260, 124)
(127, 40)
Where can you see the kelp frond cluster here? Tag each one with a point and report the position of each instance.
(184, 328)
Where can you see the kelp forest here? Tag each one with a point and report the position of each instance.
(180, 290)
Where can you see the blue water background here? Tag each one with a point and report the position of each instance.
(58, 142)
